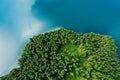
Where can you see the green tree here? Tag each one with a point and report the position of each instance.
(66, 55)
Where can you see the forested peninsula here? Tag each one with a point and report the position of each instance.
(63, 54)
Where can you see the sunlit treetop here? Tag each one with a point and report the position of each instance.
(66, 55)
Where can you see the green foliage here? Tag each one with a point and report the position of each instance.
(65, 55)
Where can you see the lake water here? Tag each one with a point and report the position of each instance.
(19, 20)
(83, 16)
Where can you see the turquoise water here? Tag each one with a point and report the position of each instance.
(99, 16)
(20, 19)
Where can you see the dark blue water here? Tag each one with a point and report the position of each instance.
(20, 20)
(99, 16)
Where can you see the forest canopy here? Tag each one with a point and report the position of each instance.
(66, 55)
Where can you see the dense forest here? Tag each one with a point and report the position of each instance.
(66, 55)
